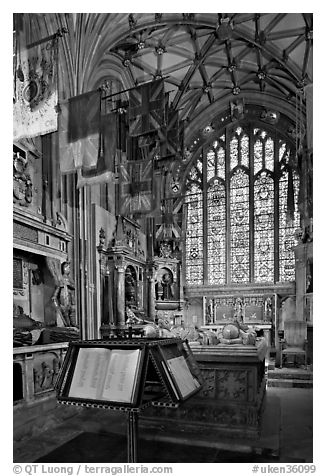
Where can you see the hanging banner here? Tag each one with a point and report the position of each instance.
(104, 171)
(84, 127)
(171, 136)
(146, 108)
(136, 187)
(36, 92)
(69, 152)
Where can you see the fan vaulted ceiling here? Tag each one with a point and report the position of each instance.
(207, 60)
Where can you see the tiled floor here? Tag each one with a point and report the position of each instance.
(288, 425)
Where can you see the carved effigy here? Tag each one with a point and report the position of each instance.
(130, 287)
(64, 297)
(46, 368)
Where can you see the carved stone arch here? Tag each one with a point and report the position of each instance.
(213, 115)
(111, 69)
(200, 142)
(62, 221)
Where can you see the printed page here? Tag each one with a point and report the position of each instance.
(183, 377)
(90, 371)
(121, 377)
(166, 370)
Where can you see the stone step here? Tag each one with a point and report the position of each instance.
(289, 374)
(289, 383)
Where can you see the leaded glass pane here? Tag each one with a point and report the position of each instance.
(233, 153)
(287, 228)
(264, 229)
(239, 223)
(284, 154)
(193, 174)
(194, 236)
(269, 154)
(216, 233)
(210, 164)
(244, 146)
(281, 151)
(258, 156)
(221, 162)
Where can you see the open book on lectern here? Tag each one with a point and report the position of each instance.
(128, 373)
(172, 360)
(105, 374)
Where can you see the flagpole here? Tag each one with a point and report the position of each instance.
(134, 87)
(59, 33)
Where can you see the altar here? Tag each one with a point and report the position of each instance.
(231, 401)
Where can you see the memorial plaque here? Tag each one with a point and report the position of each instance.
(24, 232)
(18, 273)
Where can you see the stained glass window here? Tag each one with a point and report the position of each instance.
(239, 225)
(244, 150)
(234, 152)
(216, 233)
(287, 226)
(210, 164)
(221, 162)
(264, 228)
(258, 155)
(194, 235)
(232, 217)
(269, 154)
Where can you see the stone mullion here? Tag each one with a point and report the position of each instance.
(277, 176)
(251, 208)
(227, 204)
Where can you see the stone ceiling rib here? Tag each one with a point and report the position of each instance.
(203, 65)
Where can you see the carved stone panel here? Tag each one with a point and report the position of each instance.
(46, 367)
(231, 385)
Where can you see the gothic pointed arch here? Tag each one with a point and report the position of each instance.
(241, 191)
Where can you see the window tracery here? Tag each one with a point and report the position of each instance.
(239, 228)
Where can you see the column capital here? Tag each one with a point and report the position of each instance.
(120, 264)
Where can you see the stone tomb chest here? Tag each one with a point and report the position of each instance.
(231, 401)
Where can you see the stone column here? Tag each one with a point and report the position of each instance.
(121, 268)
(151, 298)
(151, 295)
(300, 279)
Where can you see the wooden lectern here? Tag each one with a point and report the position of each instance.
(128, 375)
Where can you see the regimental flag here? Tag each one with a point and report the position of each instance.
(146, 108)
(121, 132)
(36, 92)
(136, 180)
(170, 223)
(69, 152)
(104, 171)
(171, 135)
(84, 127)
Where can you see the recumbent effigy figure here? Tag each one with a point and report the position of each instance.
(237, 332)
